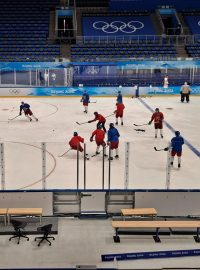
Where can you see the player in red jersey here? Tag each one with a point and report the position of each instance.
(119, 112)
(99, 138)
(101, 120)
(75, 142)
(158, 118)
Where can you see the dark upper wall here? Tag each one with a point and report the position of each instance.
(119, 5)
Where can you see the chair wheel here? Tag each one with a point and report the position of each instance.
(27, 239)
(9, 239)
(38, 245)
(49, 244)
(18, 243)
(53, 238)
(35, 240)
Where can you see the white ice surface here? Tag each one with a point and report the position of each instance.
(57, 122)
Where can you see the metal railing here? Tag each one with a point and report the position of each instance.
(140, 39)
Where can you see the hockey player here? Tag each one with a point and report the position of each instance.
(113, 140)
(119, 97)
(185, 92)
(85, 99)
(157, 117)
(26, 108)
(101, 120)
(75, 142)
(119, 112)
(166, 82)
(99, 138)
(176, 145)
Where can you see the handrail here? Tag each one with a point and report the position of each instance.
(138, 39)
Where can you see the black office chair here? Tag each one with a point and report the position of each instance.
(18, 227)
(46, 230)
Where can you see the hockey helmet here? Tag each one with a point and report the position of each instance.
(157, 109)
(95, 113)
(111, 125)
(75, 133)
(177, 133)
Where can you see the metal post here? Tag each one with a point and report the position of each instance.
(126, 171)
(84, 166)
(109, 167)
(43, 165)
(77, 184)
(168, 167)
(30, 76)
(103, 168)
(2, 166)
(15, 77)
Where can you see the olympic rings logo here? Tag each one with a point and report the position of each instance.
(117, 26)
(14, 91)
(92, 70)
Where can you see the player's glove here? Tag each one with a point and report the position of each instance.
(91, 139)
(108, 143)
(149, 123)
(166, 148)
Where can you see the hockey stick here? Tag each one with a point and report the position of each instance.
(164, 149)
(65, 152)
(14, 117)
(93, 101)
(109, 115)
(99, 152)
(140, 125)
(138, 129)
(81, 123)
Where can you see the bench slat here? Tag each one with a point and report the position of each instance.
(156, 224)
(139, 211)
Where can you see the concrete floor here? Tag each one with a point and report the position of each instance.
(82, 242)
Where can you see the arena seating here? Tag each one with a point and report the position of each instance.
(87, 52)
(24, 27)
(193, 50)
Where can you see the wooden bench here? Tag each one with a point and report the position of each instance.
(3, 212)
(157, 225)
(139, 212)
(24, 212)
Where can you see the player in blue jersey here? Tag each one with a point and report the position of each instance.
(25, 107)
(85, 99)
(176, 145)
(113, 140)
(119, 97)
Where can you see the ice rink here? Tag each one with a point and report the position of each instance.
(57, 122)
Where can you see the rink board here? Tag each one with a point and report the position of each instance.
(93, 91)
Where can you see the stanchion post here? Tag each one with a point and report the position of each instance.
(126, 171)
(103, 168)
(77, 165)
(43, 165)
(2, 166)
(84, 166)
(109, 167)
(168, 167)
